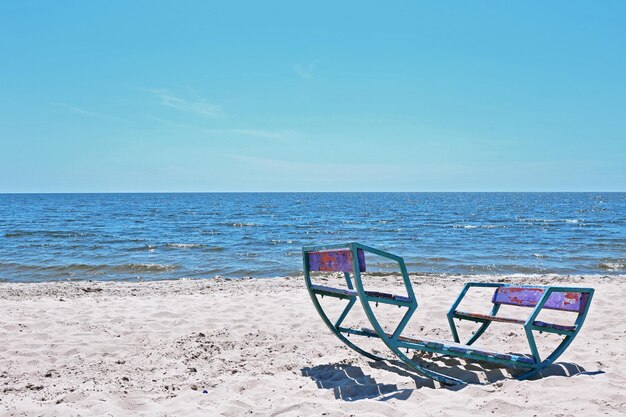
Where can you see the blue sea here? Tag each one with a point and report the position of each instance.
(46, 237)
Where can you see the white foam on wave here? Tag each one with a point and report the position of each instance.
(474, 226)
(612, 266)
(150, 267)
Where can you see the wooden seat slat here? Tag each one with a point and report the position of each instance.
(469, 316)
(322, 289)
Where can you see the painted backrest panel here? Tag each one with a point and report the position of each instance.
(335, 261)
(529, 297)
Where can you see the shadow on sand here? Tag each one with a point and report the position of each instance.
(350, 383)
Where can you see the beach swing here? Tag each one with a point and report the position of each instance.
(350, 260)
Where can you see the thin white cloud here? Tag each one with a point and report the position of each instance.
(200, 107)
(173, 123)
(281, 134)
(305, 72)
(277, 134)
(85, 112)
(320, 168)
(329, 169)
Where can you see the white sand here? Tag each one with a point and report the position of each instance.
(258, 347)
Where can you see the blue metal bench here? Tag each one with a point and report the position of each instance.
(350, 259)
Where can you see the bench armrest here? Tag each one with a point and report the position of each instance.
(466, 288)
(460, 298)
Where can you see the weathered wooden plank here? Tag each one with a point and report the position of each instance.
(335, 261)
(529, 297)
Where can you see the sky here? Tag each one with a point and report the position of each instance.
(212, 96)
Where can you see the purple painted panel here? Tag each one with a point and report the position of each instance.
(529, 297)
(335, 261)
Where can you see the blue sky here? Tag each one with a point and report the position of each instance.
(325, 96)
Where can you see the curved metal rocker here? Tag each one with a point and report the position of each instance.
(350, 258)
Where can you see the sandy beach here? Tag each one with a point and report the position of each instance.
(257, 347)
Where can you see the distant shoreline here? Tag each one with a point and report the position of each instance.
(424, 275)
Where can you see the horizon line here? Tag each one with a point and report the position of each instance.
(306, 192)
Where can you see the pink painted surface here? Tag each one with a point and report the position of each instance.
(335, 261)
(529, 297)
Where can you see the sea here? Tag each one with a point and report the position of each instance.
(48, 237)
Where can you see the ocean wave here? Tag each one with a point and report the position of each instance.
(149, 248)
(440, 259)
(184, 245)
(477, 226)
(500, 269)
(548, 221)
(46, 245)
(213, 248)
(174, 246)
(210, 232)
(613, 265)
(52, 268)
(278, 241)
(118, 239)
(144, 267)
(59, 234)
(393, 265)
(241, 224)
(377, 230)
(71, 269)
